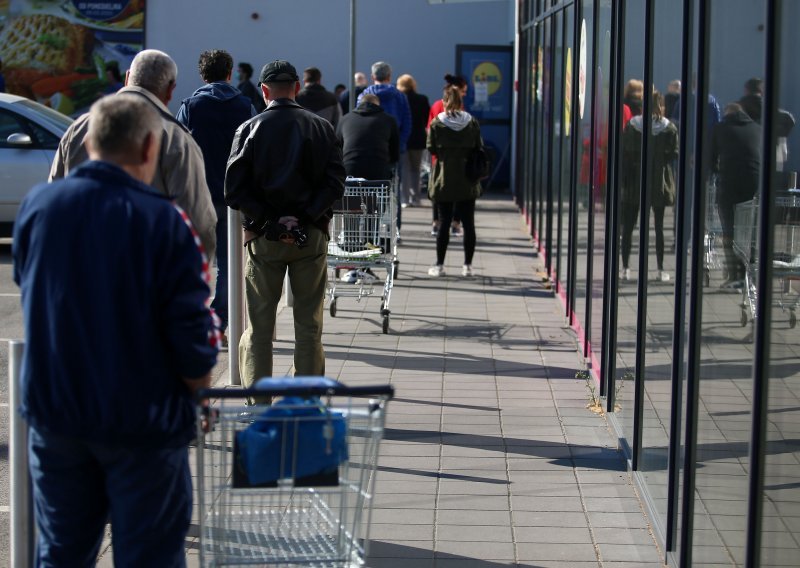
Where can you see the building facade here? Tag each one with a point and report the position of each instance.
(698, 363)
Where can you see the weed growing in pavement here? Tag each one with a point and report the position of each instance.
(594, 403)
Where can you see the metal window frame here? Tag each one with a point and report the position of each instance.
(763, 323)
(644, 240)
(572, 256)
(611, 288)
(695, 292)
(682, 204)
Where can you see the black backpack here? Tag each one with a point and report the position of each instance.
(478, 165)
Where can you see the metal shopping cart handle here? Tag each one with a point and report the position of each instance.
(298, 386)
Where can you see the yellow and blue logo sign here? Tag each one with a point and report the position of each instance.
(489, 73)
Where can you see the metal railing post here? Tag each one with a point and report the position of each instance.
(22, 516)
(235, 293)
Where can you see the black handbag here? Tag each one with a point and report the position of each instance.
(478, 164)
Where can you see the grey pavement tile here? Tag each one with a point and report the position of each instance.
(540, 503)
(460, 562)
(575, 552)
(558, 564)
(497, 463)
(638, 537)
(404, 501)
(474, 533)
(401, 532)
(403, 516)
(548, 519)
(544, 489)
(400, 549)
(617, 520)
(629, 553)
(553, 535)
(479, 550)
(612, 505)
(471, 517)
(462, 487)
(374, 562)
(477, 502)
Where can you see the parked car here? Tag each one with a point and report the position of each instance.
(29, 136)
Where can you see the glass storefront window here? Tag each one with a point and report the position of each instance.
(731, 165)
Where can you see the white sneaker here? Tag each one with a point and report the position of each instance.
(626, 273)
(466, 270)
(436, 270)
(663, 276)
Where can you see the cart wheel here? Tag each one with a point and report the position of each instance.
(396, 265)
(743, 319)
(383, 304)
(706, 279)
(333, 308)
(792, 319)
(385, 324)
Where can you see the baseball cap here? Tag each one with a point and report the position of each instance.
(278, 71)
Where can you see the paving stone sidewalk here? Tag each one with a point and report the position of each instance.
(490, 457)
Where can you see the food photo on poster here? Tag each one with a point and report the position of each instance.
(67, 54)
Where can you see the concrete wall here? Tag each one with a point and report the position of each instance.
(412, 35)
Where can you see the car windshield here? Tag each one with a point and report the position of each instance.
(52, 116)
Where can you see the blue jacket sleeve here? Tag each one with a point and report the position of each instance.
(405, 123)
(187, 322)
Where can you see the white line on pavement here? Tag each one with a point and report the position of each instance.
(5, 509)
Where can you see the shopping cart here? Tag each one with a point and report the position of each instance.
(363, 239)
(712, 237)
(288, 484)
(785, 256)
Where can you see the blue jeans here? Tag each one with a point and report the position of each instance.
(79, 485)
(220, 302)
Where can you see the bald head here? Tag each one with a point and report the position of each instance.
(154, 71)
(125, 130)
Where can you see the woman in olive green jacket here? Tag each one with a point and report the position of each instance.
(452, 136)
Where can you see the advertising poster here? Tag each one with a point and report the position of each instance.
(489, 70)
(68, 53)
(568, 94)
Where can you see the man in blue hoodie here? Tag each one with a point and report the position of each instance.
(212, 114)
(395, 103)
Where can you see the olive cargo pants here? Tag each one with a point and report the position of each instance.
(266, 266)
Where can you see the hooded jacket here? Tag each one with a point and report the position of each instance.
(212, 115)
(321, 102)
(370, 142)
(394, 103)
(451, 139)
(663, 151)
(736, 157)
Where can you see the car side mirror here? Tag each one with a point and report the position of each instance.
(19, 139)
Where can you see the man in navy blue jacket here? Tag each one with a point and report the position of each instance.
(212, 114)
(118, 338)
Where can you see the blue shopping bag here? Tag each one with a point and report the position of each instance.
(297, 438)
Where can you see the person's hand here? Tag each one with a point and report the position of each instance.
(290, 222)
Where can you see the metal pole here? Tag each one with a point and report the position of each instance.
(235, 293)
(22, 530)
(352, 103)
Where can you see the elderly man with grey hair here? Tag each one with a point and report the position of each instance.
(118, 339)
(180, 174)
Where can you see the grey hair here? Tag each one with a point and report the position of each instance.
(153, 70)
(119, 125)
(382, 71)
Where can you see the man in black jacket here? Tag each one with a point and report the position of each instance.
(370, 141)
(736, 157)
(284, 174)
(317, 98)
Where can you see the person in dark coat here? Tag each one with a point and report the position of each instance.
(212, 115)
(243, 74)
(316, 98)
(412, 159)
(661, 185)
(370, 140)
(736, 158)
